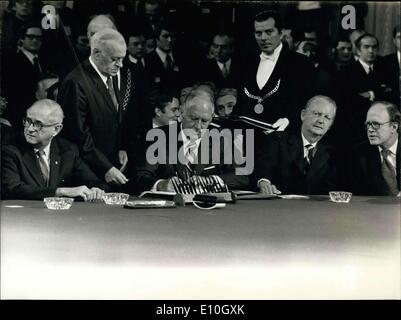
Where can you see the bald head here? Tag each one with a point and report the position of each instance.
(50, 109)
(98, 23)
(43, 122)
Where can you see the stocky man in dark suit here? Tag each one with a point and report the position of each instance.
(376, 165)
(39, 164)
(299, 162)
(93, 107)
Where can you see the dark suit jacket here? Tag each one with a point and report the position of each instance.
(147, 174)
(20, 83)
(280, 159)
(295, 73)
(175, 79)
(91, 120)
(212, 72)
(391, 79)
(22, 177)
(365, 175)
(354, 80)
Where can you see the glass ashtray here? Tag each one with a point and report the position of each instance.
(340, 196)
(54, 203)
(116, 198)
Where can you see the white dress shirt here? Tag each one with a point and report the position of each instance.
(305, 143)
(46, 151)
(163, 55)
(102, 76)
(266, 66)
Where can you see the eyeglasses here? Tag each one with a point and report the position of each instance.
(37, 125)
(32, 36)
(374, 125)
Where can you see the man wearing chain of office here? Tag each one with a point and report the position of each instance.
(277, 83)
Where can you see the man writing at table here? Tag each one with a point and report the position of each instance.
(38, 164)
(189, 137)
(376, 164)
(299, 162)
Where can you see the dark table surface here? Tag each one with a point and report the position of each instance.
(255, 249)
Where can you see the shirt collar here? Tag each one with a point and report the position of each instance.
(221, 64)
(132, 59)
(306, 142)
(46, 150)
(274, 56)
(399, 56)
(103, 77)
(393, 148)
(163, 55)
(29, 55)
(365, 65)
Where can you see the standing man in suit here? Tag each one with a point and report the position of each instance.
(223, 69)
(93, 107)
(166, 66)
(299, 162)
(22, 73)
(39, 164)
(188, 138)
(376, 164)
(362, 83)
(278, 82)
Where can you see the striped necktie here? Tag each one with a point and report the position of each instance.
(389, 174)
(112, 92)
(44, 166)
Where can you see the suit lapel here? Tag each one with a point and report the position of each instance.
(32, 165)
(101, 87)
(320, 158)
(54, 164)
(374, 162)
(296, 157)
(398, 163)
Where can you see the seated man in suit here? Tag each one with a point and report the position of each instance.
(39, 164)
(299, 163)
(376, 165)
(184, 152)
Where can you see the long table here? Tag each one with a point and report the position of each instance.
(254, 249)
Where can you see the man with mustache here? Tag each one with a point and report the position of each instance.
(39, 164)
(299, 162)
(376, 164)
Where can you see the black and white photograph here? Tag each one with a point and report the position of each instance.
(201, 151)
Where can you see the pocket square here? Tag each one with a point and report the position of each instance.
(208, 168)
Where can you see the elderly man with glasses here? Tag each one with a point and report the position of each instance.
(376, 164)
(38, 164)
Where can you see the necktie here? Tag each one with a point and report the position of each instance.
(44, 166)
(389, 174)
(191, 148)
(36, 65)
(308, 158)
(168, 63)
(110, 88)
(224, 71)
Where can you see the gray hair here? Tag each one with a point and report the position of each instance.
(318, 99)
(106, 36)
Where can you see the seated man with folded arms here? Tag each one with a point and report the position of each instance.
(183, 150)
(299, 163)
(38, 164)
(375, 165)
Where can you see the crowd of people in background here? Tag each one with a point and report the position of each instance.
(104, 75)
